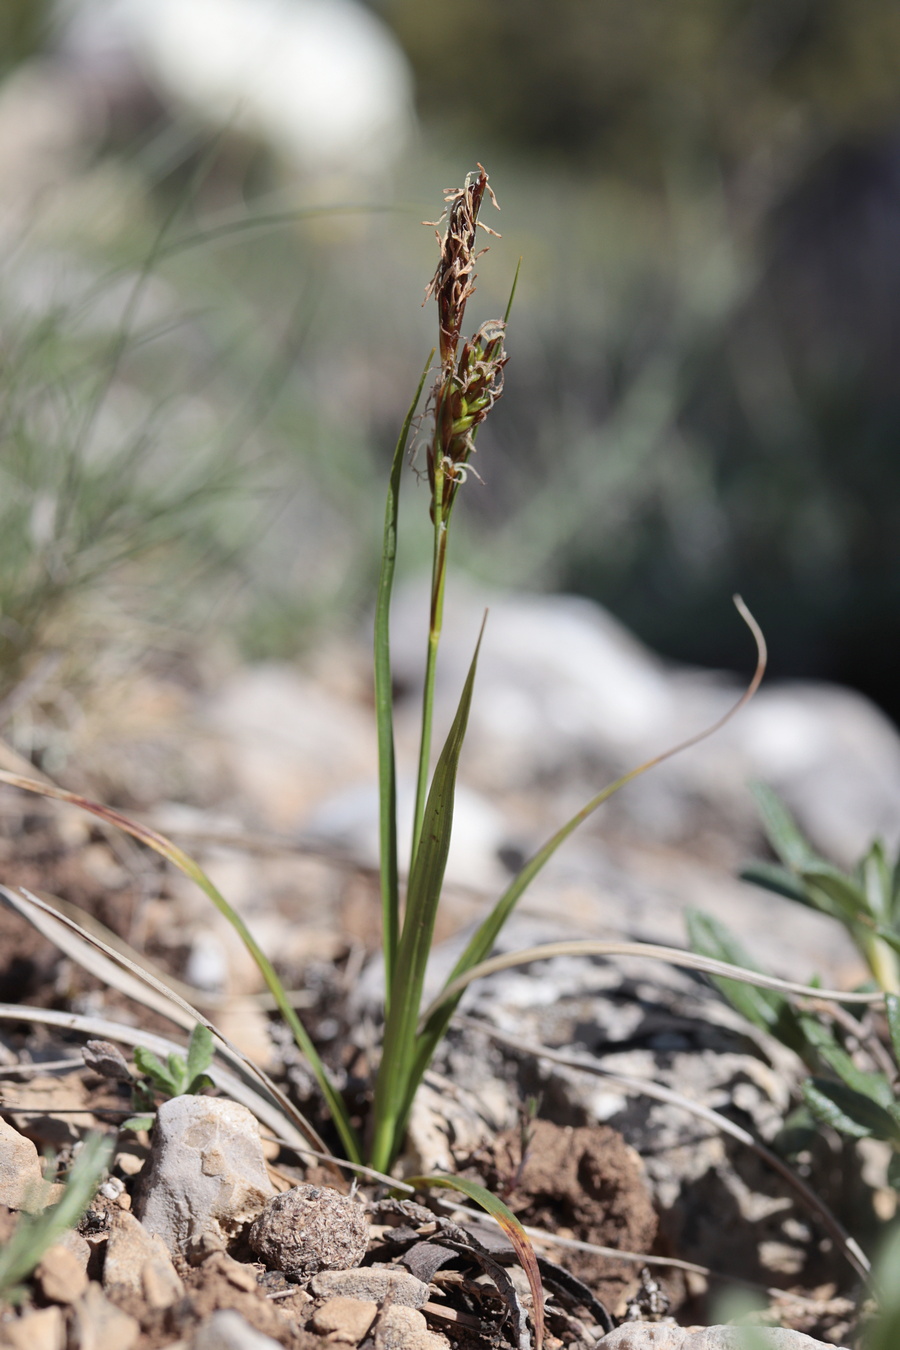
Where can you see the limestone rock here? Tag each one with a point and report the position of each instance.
(20, 1167)
(206, 1174)
(651, 1336)
(311, 1228)
(403, 1328)
(61, 1275)
(372, 1283)
(99, 1324)
(344, 1319)
(227, 1330)
(44, 1329)
(138, 1262)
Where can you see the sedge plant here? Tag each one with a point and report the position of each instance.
(466, 386)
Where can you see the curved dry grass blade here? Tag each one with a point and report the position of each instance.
(674, 956)
(200, 998)
(850, 1248)
(117, 971)
(543, 1238)
(384, 704)
(265, 1111)
(483, 940)
(511, 1227)
(160, 844)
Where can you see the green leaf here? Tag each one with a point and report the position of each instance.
(781, 830)
(138, 1123)
(842, 897)
(850, 1112)
(708, 937)
(774, 878)
(153, 1069)
(872, 1085)
(37, 1231)
(874, 876)
(394, 1087)
(384, 705)
(200, 1053)
(893, 1172)
(177, 1072)
(892, 1006)
(511, 1227)
(198, 1083)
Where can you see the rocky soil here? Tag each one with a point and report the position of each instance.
(213, 1234)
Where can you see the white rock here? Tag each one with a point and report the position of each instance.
(289, 741)
(20, 1167)
(651, 1336)
(322, 82)
(206, 1175)
(566, 692)
(138, 1262)
(227, 1330)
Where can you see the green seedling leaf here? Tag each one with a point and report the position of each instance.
(197, 1084)
(152, 1068)
(201, 1049)
(892, 1007)
(138, 1123)
(177, 1073)
(849, 1112)
(774, 878)
(163, 846)
(511, 1227)
(781, 830)
(394, 1089)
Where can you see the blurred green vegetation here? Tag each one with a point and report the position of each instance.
(702, 392)
(717, 387)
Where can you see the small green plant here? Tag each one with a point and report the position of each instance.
(467, 385)
(35, 1232)
(178, 1076)
(854, 1070)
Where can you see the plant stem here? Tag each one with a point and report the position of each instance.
(435, 624)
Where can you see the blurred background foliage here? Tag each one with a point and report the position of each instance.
(703, 389)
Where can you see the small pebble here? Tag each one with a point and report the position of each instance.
(372, 1282)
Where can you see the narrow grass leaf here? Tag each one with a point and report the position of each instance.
(249, 1084)
(479, 948)
(394, 1090)
(873, 1085)
(36, 1232)
(511, 1227)
(160, 844)
(384, 706)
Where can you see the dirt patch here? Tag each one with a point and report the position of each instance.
(580, 1182)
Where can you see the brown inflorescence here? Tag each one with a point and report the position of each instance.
(471, 380)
